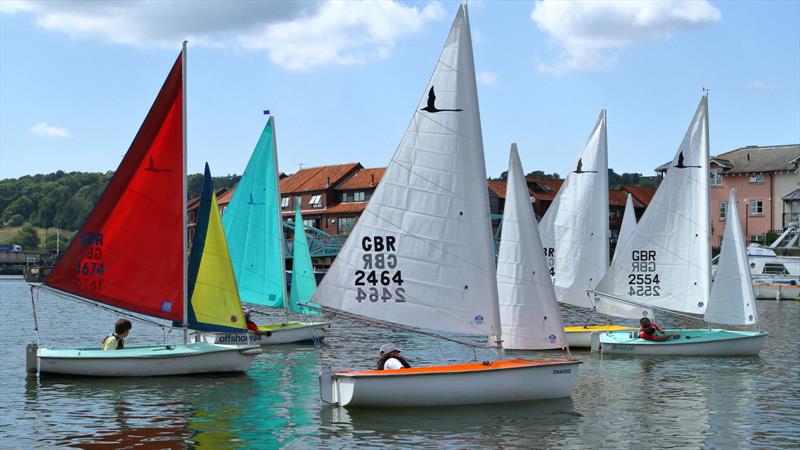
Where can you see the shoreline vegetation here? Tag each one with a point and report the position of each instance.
(31, 204)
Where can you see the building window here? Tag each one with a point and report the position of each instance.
(756, 207)
(316, 201)
(284, 202)
(347, 197)
(309, 223)
(346, 224)
(716, 177)
(359, 196)
(723, 210)
(757, 178)
(298, 201)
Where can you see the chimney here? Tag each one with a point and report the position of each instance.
(748, 157)
(328, 182)
(372, 183)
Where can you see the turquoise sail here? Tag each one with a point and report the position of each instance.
(253, 227)
(303, 282)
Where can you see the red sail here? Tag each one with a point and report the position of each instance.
(129, 253)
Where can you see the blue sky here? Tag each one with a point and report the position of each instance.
(343, 79)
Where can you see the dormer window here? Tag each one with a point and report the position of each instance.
(359, 196)
(316, 201)
(284, 202)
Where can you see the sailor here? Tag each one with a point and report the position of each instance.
(390, 358)
(252, 325)
(116, 340)
(649, 331)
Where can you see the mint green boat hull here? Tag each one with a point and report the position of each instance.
(699, 342)
(162, 360)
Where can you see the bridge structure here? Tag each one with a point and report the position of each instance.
(14, 262)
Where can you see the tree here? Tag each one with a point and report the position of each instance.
(28, 237)
(16, 220)
(22, 205)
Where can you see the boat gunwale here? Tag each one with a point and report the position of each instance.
(480, 368)
(293, 325)
(644, 342)
(596, 328)
(115, 354)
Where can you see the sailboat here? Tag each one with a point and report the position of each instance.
(574, 232)
(254, 231)
(628, 224)
(304, 283)
(666, 264)
(529, 311)
(115, 260)
(422, 257)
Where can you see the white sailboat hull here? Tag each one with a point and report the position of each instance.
(702, 342)
(581, 337)
(465, 384)
(285, 333)
(160, 360)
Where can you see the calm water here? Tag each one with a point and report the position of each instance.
(620, 402)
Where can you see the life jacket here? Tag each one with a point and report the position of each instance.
(120, 341)
(384, 358)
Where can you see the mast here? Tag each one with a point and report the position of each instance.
(184, 202)
(707, 215)
(280, 218)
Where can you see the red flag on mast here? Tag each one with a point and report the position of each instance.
(130, 251)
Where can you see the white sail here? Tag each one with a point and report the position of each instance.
(666, 263)
(575, 227)
(422, 253)
(529, 312)
(732, 300)
(628, 224)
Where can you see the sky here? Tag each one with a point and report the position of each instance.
(343, 78)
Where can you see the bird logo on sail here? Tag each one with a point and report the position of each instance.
(680, 164)
(152, 168)
(579, 169)
(431, 107)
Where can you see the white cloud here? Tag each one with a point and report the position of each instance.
(761, 86)
(341, 33)
(48, 130)
(296, 35)
(487, 78)
(592, 34)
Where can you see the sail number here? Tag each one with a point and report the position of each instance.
(91, 268)
(380, 271)
(550, 256)
(644, 281)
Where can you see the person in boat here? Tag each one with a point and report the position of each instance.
(252, 325)
(650, 331)
(390, 358)
(116, 340)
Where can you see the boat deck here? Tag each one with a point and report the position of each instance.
(456, 368)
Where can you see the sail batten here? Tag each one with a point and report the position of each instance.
(574, 229)
(421, 254)
(111, 260)
(254, 229)
(529, 311)
(666, 262)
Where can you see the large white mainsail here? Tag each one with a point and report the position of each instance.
(575, 227)
(732, 300)
(666, 263)
(628, 224)
(422, 253)
(529, 312)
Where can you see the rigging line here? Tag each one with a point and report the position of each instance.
(74, 297)
(390, 326)
(643, 305)
(35, 320)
